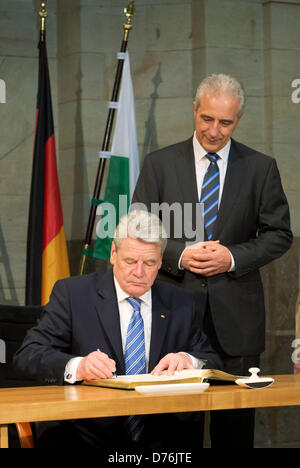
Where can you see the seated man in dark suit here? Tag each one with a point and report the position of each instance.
(124, 322)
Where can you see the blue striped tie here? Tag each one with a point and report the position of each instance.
(135, 358)
(210, 194)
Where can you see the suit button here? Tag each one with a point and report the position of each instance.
(203, 283)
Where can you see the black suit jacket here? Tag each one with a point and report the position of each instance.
(253, 222)
(83, 315)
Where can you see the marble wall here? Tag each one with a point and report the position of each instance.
(18, 68)
(173, 45)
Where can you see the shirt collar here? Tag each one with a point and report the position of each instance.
(200, 152)
(122, 295)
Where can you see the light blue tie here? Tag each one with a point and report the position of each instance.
(210, 194)
(135, 358)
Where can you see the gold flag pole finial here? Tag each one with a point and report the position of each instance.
(129, 12)
(43, 15)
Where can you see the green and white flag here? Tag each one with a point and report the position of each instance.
(123, 167)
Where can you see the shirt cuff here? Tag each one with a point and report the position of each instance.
(232, 268)
(197, 363)
(71, 370)
(179, 262)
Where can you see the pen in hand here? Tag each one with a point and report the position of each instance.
(113, 373)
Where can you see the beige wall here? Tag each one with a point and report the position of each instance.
(18, 67)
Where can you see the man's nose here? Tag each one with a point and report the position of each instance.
(214, 129)
(139, 269)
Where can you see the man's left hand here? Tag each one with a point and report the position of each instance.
(173, 362)
(212, 259)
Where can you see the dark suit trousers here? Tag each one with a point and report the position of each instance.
(230, 428)
(162, 433)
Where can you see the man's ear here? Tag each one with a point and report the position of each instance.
(113, 253)
(194, 107)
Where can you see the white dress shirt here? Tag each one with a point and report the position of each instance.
(125, 312)
(201, 165)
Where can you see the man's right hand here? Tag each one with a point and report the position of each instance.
(96, 365)
(194, 258)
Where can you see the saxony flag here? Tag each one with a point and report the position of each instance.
(123, 166)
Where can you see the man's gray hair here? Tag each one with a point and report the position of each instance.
(217, 84)
(143, 226)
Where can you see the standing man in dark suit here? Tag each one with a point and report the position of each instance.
(246, 226)
(122, 321)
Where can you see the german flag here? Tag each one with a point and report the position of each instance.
(47, 258)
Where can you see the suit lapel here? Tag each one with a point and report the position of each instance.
(160, 322)
(108, 313)
(186, 172)
(232, 186)
(186, 192)
(186, 175)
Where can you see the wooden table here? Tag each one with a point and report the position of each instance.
(52, 403)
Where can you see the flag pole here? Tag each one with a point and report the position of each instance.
(46, 253)
(129, 12)
(34, 250)
(43, 15)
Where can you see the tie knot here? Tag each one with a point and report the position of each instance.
(135, 302)
(212, 157)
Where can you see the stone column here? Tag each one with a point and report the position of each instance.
(281, 52)
(89, 35)
(82, 104)
(19, 36)
(228, 38)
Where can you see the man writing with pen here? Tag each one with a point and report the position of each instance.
(125, 322)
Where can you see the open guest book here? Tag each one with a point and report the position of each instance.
(130, 382)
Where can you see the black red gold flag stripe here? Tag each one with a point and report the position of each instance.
(47, 258)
